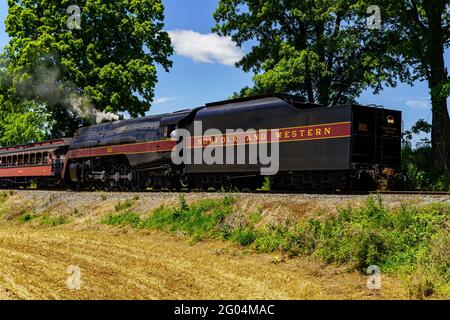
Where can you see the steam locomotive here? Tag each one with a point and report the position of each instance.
(344, 147)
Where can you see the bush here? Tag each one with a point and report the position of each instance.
(243, 236)
(419, 172)
(272, 238)
(26, 217)
(125, 218)
(406, 241)
(200, 220)
(267, 184)
(53, 221)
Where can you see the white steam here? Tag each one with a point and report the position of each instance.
(83, 106)
(45, 84)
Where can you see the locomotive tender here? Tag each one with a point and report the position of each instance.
(320, 148)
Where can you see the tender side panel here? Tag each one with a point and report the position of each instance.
(310, 139)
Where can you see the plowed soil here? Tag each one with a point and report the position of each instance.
(34, 265)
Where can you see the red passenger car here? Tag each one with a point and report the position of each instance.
(41, 162)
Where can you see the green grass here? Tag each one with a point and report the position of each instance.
(44, 219)
(200, 221)
(52, 221)
(124, 218)
(243, 236)
(405, 241)
(267, 184)
(3, 196)
(27, 216)
(123, 205)
(409, 241)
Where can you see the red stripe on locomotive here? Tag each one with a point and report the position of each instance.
(302, 133)
(294, 134)
(154, 146)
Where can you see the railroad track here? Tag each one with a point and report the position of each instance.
(430, 193)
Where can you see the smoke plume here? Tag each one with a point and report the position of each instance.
(45, 85)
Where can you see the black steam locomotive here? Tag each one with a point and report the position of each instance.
(315, 148)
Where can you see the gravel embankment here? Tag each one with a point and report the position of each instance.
(275, 205)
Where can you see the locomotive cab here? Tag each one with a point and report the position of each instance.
(170, 123)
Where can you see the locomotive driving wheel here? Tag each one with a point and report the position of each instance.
(123, 183)
(136, 182)
(184, 182)
(88, 185)
(110, 184)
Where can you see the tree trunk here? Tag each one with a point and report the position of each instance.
(323, 82)
(440, 132)
(440, 135)
(309, 85)
(301, 44)
(324, 90)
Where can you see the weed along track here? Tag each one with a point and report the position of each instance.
(207, 246)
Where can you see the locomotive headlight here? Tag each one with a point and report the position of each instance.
(390, 120)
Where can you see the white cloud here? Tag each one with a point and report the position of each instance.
(205, 48)
(162, 100)
(418, 104)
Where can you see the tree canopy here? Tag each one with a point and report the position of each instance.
(20, 122)
(324, 50)
(108, 64)
(321, 49)
(419, 33)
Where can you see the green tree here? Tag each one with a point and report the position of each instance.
(108, 64)
(24, 125)
(321, 49)
(20, 121)
(418, 32)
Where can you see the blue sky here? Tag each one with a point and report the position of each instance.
(203, 72)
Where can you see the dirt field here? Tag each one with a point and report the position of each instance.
(122, 263)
